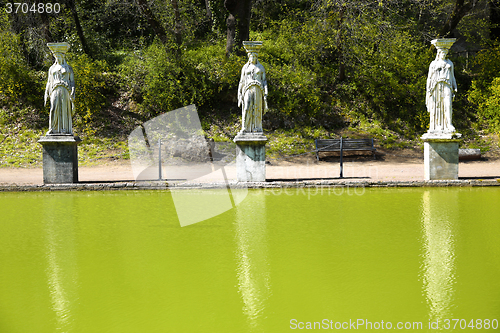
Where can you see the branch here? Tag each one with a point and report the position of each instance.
(459, 11)
(153, 22)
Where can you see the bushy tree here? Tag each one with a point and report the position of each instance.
(18, 83)
(485, 89)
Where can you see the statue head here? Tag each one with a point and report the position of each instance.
(443, 45)
(59, 51)
(60, 58)
(252, 57)
(252, 49)
(441, 54)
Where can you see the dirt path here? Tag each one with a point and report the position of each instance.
(389, 166)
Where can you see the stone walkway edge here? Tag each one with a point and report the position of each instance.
(162, 185)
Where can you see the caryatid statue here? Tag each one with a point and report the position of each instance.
(252, 90)
(441, 85)
(61, 91)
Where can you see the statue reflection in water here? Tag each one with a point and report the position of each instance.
(253, 269)
(439, 253)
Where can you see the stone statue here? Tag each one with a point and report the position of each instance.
(252, 90)
(61, 91)
(441, 85)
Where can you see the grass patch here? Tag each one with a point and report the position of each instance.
(283, 143)
(97, 150)
(386, 138)
(19, 148)
(479, 141)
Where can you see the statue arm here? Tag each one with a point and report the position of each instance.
(241, 86)
(264, 81)
(431, 82)
(264, 84)
(453, 81)
(72, 83)
(48, 87)
(72, 88)
(429, 88)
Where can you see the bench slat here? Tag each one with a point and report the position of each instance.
(333, 145)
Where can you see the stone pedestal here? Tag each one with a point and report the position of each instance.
(60, 159)
(250, 157)
(441, 156)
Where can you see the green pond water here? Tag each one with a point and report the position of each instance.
(280, 261)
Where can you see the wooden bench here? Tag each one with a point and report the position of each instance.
(341, 145)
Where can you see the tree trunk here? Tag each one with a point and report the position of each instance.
(239, 19)
(45, 18)
(231, 34)
(494, 18)
(153, 22)
(209, 11)
(340, 46)
(243, 20)
(461, 8)
(177, 23)
(72, 6)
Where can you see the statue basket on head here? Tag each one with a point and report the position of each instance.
(441, 85)
(252, 90)
(61, 92)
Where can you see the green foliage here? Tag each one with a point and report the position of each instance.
(266, 12)
(382, 45)
(391, 78)
(488, 63)
(485, 89)
(161, 82)
(10, 65)
(18, 84)
(219, 15)
(299, 78)
(90, 84)
(488, 103)
(170, 84)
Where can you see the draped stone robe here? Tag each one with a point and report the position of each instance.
(251, 96)
(60, 84)
(439, 96)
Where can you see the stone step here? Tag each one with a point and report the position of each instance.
(469, 154)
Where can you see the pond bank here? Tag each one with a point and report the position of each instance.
(163, 185)
(365, 172)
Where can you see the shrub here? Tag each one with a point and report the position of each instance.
(18, 84)
(161, 82)
(392, 80)
(90, 84)
(488, 103)
(485, 89)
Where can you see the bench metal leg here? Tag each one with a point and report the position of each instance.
(317, 154)
(341, 155)
(373, 151)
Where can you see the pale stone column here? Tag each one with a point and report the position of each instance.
(252, 97)
(60, 159)
(441, 140)
(60, 155)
